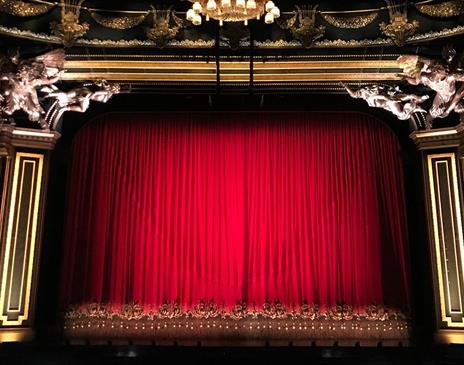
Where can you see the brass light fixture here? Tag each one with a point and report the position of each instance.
(232, 11)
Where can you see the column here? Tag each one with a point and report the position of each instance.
(24, 155)
(442, 157)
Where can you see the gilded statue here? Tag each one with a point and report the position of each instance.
(402, 105)
(20, 79)
(77, 99)
(441, 77)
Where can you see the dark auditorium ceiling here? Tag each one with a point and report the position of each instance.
(314, 45)
(350, 24)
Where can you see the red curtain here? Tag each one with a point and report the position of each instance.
(294, 207)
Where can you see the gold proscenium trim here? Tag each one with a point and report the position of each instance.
(119, 76)
(441, 261)
(232, 70)
(310, 65)
(14, 215)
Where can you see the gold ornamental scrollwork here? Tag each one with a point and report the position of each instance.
(131, 311)
(206, 310)
(274, 311)
(126, 21)
(169, 311)
(240, 311)
(445, 9)
(341, 312)
(344, 21)
(24, 9)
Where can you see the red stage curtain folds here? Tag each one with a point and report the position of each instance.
(255, 207)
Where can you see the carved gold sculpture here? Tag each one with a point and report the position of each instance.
(399, 28)
(165, 27)
(69, 29)
(303, 25)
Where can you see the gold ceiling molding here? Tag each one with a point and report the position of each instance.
(125, 21)
(446, 9)
(308, 71)
(208, 43)
(326, 43)
(24, 9)
(27, 34)
(123, 43)
(349, 21)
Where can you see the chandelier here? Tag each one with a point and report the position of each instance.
(232, 11)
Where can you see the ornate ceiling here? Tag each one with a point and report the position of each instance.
(315, 46)
(162, 24)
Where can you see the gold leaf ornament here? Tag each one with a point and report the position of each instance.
(445, 9)
(349, 21)
(24, 9)
(126, 21)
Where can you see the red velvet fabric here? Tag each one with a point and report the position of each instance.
(187, 207)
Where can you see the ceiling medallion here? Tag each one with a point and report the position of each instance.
(232, 11)
(69, 29)
(399, 29)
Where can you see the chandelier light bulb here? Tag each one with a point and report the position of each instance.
(190, 14)
(269, 5)
(196, 19)
(275, 11)
(251, 5)
(196, 7)
(211, 5)
(232, 11)
(269, 18)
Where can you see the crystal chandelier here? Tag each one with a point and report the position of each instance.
(232, 11)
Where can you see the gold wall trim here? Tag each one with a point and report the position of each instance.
(16, 335)
(449, 159)
(14, 216)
